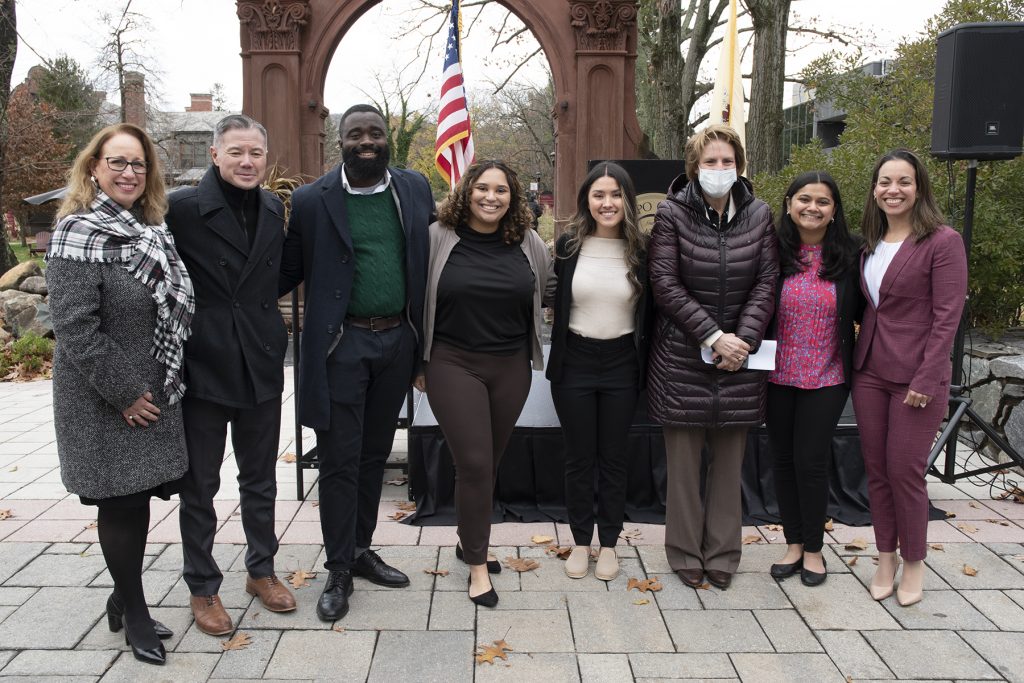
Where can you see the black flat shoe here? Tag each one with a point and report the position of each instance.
(809, 578)
(333, 602)
(115, 620)
(150, 655)
(781, 571)
(488, 599)
(375, 570)
(493, 566)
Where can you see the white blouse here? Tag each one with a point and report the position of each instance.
(876, 264)
(603, 299)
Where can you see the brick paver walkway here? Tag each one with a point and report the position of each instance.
(53, 587)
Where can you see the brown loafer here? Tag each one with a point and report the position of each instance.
(719, 579)
(211, 617)
(271, 592)
(691, 577)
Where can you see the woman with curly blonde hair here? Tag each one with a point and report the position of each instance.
(488, 277)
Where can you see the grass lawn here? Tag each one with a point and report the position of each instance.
(24, 254)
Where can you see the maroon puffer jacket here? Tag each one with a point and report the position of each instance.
(704, 279)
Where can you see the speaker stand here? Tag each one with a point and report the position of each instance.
(960, 405)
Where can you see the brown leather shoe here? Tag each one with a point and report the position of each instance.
(719, 579)
(691, 577)
(210, 615)
(271, 592)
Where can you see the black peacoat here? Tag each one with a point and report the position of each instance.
(235, 356)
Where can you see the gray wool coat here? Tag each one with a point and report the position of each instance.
(103, 321)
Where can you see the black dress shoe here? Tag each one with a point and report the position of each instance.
(148, 655)
(333, 602)
(493, 566)
(375, 570)
(115, 620)
(719, 579)
(781, 571)
(691, 577)
(488, 599)
(809, 578)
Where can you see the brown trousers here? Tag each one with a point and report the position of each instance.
(704, 533)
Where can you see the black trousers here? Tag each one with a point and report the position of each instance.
(477, 398)
(595, 399)
(800, 424)
(254, 437)
(369, 374)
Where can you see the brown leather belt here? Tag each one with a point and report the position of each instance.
(376, 324)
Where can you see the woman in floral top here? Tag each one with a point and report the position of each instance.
(818, 301)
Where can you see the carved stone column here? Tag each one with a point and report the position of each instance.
(271, 62)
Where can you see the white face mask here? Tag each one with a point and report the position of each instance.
(716, 182)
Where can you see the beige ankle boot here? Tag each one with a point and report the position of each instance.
(578, 564)
(607, 565)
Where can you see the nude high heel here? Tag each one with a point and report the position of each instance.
(881, 592)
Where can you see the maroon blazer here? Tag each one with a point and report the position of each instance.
(908, 337)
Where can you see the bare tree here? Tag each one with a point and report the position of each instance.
(8, 51)
(124, 51)
(771, 19)
(404, 122)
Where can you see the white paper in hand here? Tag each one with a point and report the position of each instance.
(764, 359)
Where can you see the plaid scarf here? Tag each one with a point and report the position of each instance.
(109, 233)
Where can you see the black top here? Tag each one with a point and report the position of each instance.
(244, 205)
(485, 295)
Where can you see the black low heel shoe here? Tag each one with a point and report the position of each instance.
(488, 599)
(115, 620)
(781, 571)
(809, 578)
(154, 655)
(493, 566)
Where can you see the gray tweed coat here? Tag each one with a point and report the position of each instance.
(103, 320)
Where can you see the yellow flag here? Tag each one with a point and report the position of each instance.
(727, 100)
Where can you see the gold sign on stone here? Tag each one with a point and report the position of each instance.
(647, 205)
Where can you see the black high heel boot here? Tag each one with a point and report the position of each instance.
(115, 619)
(153, 655)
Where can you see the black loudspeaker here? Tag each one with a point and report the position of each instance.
(979, 92)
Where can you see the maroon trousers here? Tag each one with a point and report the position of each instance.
(895, 440)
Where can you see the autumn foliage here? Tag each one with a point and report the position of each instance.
(35, 161)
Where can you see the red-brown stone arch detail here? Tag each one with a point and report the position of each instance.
(582, 39)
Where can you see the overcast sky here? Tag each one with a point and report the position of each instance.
(195, 43)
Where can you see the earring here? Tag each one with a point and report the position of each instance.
(832, 221)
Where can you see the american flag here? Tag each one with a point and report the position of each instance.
(453, 152)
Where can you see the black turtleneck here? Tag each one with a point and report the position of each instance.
(244, 204)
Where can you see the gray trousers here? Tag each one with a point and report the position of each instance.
(704, 533)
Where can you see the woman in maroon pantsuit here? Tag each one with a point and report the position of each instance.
(914, 276)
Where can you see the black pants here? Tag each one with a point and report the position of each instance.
(595, 399)
(477, 398)
(369, 374)
(254, 437)
(800, 424)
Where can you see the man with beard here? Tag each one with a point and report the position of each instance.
(358, 239)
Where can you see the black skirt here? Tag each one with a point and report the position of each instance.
(139, 498)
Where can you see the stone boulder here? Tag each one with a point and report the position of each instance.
(20, 309)
(1014, 428)
(986, 401)
(35, 285)
(13, 278)
(34, 320)
(1008, 366)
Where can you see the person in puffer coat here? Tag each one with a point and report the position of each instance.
(713, 268)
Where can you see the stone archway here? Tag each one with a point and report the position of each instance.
(287, 47)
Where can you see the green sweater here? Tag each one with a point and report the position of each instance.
(378, 288)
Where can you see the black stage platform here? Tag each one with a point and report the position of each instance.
(530, 484)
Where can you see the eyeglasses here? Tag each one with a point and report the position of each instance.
(118, 164)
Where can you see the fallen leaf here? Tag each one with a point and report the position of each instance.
(849, 679)
(338, 629)
(643, 585)
(562, 552)
(857, 544)
(92, 525)
(970, 571)
(642, 601)
(1018, 557)
(521, 564)
(629, 534)
(705, 586)
(852, 561)
(397, 515)
(874, 560)
(774, 527)
(829, 526)
(937, 546)
(950, 515)
(6, 514)
(1000, 522)
(969, 528)
(300, 578)
(974, 505)
(287, 457)
(541, 540)
(239, 641)
(752, 538)
(401, 481)
(407, 506)
(436, 572)
(487, 653)
(316, 503)
(13, 469)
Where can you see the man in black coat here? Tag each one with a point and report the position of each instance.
(358, 239)
(230, 233)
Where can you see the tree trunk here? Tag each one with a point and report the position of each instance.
(764, 128)
(8, 51)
